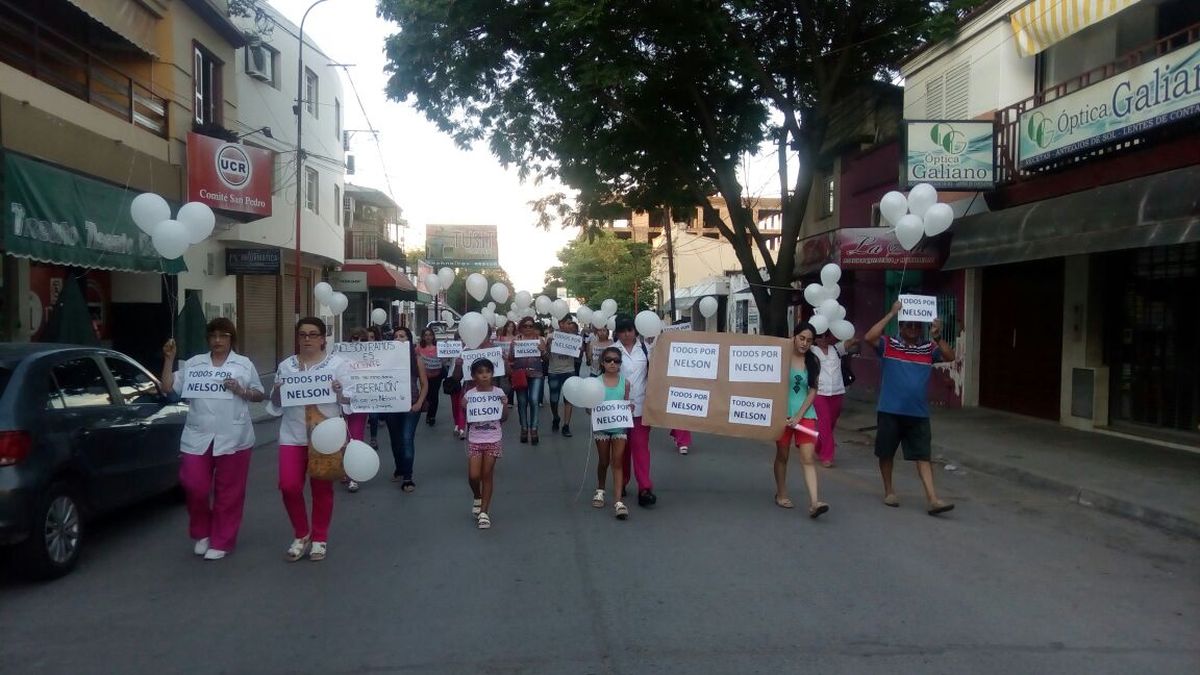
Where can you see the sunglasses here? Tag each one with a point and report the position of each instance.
(612, 360)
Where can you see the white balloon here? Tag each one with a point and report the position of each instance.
(513, 316)
(832, 291)
(433, 284)
(329, 436)
(838, 315)
(323, 292)
(648, 323)
(611, 324)
(477, 286)
(500, 293)
(379, 316)
(448, 317)
(148, 210)
(473, 329)
(338, 303)
(498, 320)
(585, 314)
(571, 387)
(558, 308)
(814, 294)
(828, 307)
(938, 219)
(360, 462)
(491, 306)
(909, 231)
(842, 329)
(198, 219)
(542, 304)
(488, 313)
(920, 198)
(523, 299)
(708, 306)
(530, 313)
(445, 277)
(831, 274)
(893, 206)
(170, 239)
(599, 319)
(609, 306)
(586, 392)
(819, 323)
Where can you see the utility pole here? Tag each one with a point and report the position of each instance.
(670, 259)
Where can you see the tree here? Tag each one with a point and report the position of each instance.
(596, 268)
(457, 297)
(653, 103)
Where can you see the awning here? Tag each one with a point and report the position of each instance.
(1041, 23)
(55, 216)
(131, 20)
(384, 280)
(1157, 210)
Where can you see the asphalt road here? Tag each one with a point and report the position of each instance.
(715, 579)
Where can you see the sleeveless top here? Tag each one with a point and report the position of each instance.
(798, 386)
(433, 365)
(617, 392)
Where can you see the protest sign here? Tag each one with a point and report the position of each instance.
(449, 349)
(380, 377)
(738, 388)
(206, 382)
(527, 349)
(612, 415)
(306, 388)
(484, 406)
(566, 344)
(493, 354)
(677, 327)
(922, 308)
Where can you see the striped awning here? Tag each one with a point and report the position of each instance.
(1041, 23)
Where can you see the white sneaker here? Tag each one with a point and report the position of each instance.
(476, 508)
(201, 546)
(683, 449)
(598, 499)
(214, 554)
(621, 510)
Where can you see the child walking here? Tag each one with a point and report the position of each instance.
(488, 405)
(801, 425)
(610, 444)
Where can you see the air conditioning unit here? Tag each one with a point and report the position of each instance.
(260, 63)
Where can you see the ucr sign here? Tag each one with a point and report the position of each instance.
(233, 166)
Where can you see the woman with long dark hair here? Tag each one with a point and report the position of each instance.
(402, 427)
(434, 373)
(801, 424)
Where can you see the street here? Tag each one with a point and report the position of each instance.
(715, 579)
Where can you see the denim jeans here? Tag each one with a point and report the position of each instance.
(528, 401)
(434, 397)
(402, 429)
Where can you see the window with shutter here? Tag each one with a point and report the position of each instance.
(958, 91)
(933, 98)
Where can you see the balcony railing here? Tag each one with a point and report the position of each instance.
(368, 245)
(31, 46)
(1008, 119)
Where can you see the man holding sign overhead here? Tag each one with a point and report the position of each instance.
(903, 410)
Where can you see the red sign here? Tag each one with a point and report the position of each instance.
(230, 176)
(876, 248)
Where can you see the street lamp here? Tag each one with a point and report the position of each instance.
(300, 151)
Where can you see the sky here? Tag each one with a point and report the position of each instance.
(433, 180)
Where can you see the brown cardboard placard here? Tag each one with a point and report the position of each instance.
(665, 375)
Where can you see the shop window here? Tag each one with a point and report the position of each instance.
(206, 86)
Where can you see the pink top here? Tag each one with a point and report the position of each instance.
(485, 432)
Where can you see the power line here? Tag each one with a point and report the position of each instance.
(374, 134)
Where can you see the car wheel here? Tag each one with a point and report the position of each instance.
(54, 545)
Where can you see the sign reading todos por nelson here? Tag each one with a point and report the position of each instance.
(206, 382)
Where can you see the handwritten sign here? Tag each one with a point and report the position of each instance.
(612, 415)
(922, 308)
(566, 344)
(380, 391)
(677, 327)
(449, 349)
(748, 410)
(694, 360)
(755, 364)
(206, 382)
(484, 406)
(527, 349)
(691, 402)
(377, 355)
(306, 389)
(493, 354)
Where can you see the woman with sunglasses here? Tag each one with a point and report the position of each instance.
(402, 427)
(216, 441)
(529, 399)
(610, 445)
(427, 351)
(310, 357)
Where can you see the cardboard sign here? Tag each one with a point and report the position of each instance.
(206, 382)
(727, 405)
(922, 308)
(612, 415)
(693, 360)
(380, 379)
(306, 388)
(449, 349)
(527, 349)
(755, 364)
(484, 406)
(566, 344)
(493, 354)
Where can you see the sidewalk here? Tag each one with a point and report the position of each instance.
(258, 411)
(1145, 482)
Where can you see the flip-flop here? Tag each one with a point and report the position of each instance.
(784, 503)
(891, 500)
(816, 511)
(940, 508)
(408, 486)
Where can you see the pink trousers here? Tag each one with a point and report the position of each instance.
(459, 409)
(293, 469)
(682, 437)
(829, 409)
(215, 490)
(639, 455)
(356, 425)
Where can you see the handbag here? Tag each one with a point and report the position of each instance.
(847, 370)
(520, 379)
(320, 465)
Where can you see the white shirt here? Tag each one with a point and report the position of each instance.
(635, 366)
(223, 423)
(830, 382)
(293, 429)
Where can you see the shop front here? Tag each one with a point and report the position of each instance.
(375, 285)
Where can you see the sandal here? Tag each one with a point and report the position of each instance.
(940, 507)
(298, 548)
(784, 503)
(524, 435)
(533, 437)
(816, 511)
(408, 485)
(622, 511)
(891, 500)
(317, 553)
(476, 508)
(485, 523)
(598, 499)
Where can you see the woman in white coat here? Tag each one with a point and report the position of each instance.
(217, 437)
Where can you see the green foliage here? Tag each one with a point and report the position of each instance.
(458, 299)
(605, 267)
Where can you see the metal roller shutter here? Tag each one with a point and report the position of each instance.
(258, 327)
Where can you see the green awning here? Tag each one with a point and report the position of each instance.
(55, 216)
